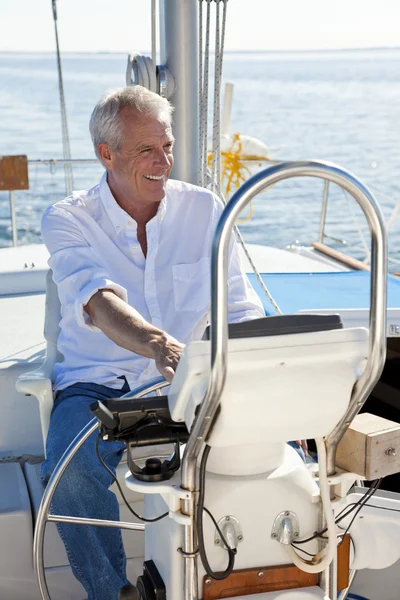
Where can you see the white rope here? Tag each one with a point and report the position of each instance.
(154, 36)
(203, 117)
(358, 227)
(216, 149)
(205, 90)
(69, 179)
(253, 266)
(393, 216)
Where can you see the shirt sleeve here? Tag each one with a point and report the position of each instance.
(243, 302)
(77, 271)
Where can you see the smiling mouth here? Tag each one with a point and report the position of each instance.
(154, 178)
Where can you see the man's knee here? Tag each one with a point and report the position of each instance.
(85, 466)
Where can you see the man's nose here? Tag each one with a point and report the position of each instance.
(162, 158)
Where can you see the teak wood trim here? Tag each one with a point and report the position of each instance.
(340, 256)
(343, 563)
(258, 581)
(246, 582)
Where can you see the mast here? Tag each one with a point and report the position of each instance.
(179, 51)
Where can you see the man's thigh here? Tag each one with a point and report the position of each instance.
(71, 413)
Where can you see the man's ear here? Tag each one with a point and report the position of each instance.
(106, 154)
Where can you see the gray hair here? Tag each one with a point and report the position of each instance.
(105, 126)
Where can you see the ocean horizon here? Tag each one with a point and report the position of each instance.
(334, 105)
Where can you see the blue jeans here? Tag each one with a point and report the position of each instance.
(96, 554)
(298, 449)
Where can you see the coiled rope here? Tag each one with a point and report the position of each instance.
(69, 179)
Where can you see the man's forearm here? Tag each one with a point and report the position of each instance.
(122, 323)
(128, 329)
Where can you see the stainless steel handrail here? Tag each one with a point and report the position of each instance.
(44, 516)
(219, 322)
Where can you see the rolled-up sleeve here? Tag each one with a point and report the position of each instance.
(77, 271)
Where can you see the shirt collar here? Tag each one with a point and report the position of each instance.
(118, 217)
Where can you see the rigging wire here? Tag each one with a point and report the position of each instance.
(203, 125)
(69, 179)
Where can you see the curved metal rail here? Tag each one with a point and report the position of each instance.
(219, 323)
(44, 515)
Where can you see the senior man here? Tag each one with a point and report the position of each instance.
(131, 260)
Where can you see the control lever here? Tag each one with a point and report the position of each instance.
(104, 415)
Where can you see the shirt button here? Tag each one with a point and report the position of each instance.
(148, 275)
(118, 228)
(129, 223)
(153, 312)
(146, 372)
(135, 247)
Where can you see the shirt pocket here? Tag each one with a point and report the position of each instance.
(192, 286)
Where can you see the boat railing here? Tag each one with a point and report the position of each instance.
(54, 189)
(363, 249)
(18, 172)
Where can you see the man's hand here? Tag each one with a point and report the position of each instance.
(166, 352)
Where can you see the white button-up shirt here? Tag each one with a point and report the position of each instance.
(93, 245)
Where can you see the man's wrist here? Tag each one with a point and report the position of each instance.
(156, 343)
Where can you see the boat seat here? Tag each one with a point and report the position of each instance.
(39, 383)
(280, 386)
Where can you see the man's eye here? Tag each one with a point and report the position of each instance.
(168, 146)
(146, 149)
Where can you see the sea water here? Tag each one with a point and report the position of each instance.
(339, 106)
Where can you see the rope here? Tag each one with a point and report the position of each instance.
(153, 35)
(253, 266)
(256, 272)
(356, 223)
(393, 216)
(204, 95)
(203, 99)
(219, 53)
(215, 172)
(69, 180)
(201, 109)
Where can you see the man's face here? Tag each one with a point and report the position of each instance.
(143, 164)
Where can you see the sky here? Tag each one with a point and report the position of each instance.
(124, 25)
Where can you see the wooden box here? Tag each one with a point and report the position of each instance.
(370, 447)
(14, 173)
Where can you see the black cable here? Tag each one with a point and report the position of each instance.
(382, 507)
(345, 512)
(301, 550)
(200, 533)
(120, 489)
(358, 510)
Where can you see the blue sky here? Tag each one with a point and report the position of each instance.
(122, 25)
